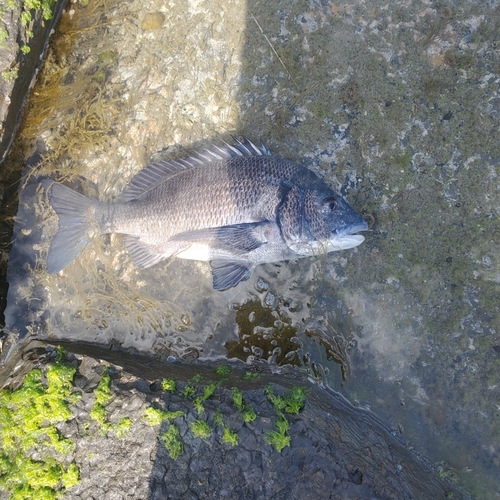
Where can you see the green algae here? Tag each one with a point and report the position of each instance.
(223, 370)
(279, 438)
(246, 410)
(28, 8)
(218, 419)
(292, 401)
(229, 436)
(99, 412)
(237, 398)
(168, 384)
(44, 5)
(208, 391)
(188, 392)
(50, 400)
(251, 375)
(155, 416)
(122, 428)
(248, 414)
(198, 405)
(201, 429)
(170, 438)
(28, 418)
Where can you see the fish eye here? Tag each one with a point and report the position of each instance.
(329, 204)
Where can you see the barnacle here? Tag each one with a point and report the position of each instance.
(445, 12)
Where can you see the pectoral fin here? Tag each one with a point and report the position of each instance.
(227, 274)
(239, 237)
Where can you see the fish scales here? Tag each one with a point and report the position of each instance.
(233, 192)
(236, 206)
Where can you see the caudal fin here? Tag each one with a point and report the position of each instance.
(74, 224)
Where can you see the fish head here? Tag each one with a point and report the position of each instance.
(317, 219)
(341, 222)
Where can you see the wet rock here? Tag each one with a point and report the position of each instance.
(133, 404)
(200, 463)
(270, 300)
(356, 476)
(18, 68)
(253, 475)
(88, 377)
(317, 460)
(143, 386)
(302, 442)
(261, 285)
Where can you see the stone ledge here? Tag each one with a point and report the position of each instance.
(14, 88)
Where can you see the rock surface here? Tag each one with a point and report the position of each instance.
(17, 68)
(336, 451)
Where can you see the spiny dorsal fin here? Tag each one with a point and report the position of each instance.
(158, 172)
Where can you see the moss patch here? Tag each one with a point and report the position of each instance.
(230, 437)
(100, 413)
(155, 416)
(28, 418)
(245, 409)
(279, 438)
(201, 429)
(291, 402)
(172, 443)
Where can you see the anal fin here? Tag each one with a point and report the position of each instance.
(143, 255)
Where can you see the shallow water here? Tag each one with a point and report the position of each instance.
(394, 103)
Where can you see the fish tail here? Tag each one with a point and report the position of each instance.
(75, 223)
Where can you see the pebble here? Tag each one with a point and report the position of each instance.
(153, 21)
(270, 299)
(261, 285)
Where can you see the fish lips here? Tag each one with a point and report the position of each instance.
(340, 239)
(353, 229)
(347, 237)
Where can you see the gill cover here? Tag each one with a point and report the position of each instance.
(299, 217)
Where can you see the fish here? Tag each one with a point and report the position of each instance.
(235, 205)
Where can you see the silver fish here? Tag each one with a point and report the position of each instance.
(236, 206)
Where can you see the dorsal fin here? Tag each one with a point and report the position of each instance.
(158, 172)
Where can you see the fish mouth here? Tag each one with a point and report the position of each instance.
(353, 229)
(347, 237)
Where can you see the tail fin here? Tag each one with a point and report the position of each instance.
(74, 223)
